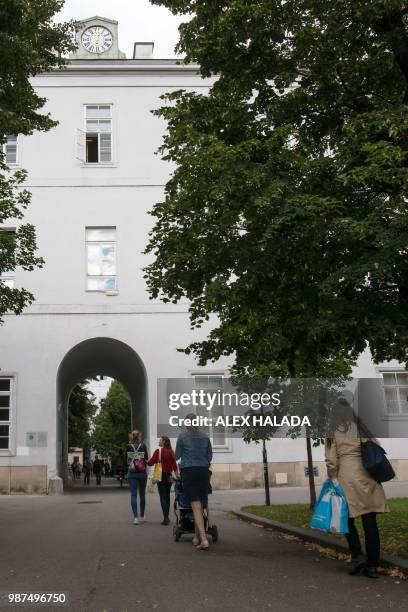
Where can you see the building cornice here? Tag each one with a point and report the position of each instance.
(98, 18)
(124, 66)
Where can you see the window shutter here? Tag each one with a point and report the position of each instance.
(81, 145)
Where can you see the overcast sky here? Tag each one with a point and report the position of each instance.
(138, 21)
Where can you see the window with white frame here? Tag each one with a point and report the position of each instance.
(7, 237)
(98, 133)
(5, 412)
(213, 383)
(101, 258)
(10, 149)
(396, 392)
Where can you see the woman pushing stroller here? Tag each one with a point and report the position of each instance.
(194, 450)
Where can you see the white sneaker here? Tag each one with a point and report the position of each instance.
(142, 519)
(135, 521)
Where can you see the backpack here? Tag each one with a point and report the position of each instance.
(375, 461)
(137, 464)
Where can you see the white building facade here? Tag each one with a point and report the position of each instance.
(94, 178)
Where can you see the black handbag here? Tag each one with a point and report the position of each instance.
(375, 461)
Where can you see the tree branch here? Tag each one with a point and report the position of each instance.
(392, 26)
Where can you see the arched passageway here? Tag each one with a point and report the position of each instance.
(108, 357)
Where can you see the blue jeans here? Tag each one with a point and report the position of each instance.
(137, 482)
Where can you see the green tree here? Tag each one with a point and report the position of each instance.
(81, 411)
(30, 43)
(113, 422)
(287, 212)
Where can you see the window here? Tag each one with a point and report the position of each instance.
(10, 149)
(396, 392)
(213, 383)
(6, 240)
(101, 258)
(5, 412)
(98, 134)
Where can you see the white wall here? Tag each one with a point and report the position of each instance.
(67, 197)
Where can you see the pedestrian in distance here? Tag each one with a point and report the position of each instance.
(137, 457)
(87, 471)
(121, 465)
(194, 450)
(164, 455)
(76, 469)
(97, 469)
(365, 496)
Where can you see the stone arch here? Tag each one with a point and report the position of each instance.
(108, 357)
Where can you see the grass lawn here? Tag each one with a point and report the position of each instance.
(393, 525)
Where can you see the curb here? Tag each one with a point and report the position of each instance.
(316, 537)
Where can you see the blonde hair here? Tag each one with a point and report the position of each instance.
(135, 436)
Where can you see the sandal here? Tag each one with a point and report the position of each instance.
(203, 545)
(196, 541)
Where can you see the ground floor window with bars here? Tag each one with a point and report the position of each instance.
(213, 383)
(396, 392)
(5, 412)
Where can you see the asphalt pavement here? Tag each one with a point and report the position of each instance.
(85, 544)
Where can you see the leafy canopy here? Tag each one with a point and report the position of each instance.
(113, 422)
(81, 411)
(30, 43)
(286, 213)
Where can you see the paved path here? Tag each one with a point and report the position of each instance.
(85, 543)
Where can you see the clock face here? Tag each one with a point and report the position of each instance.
(97, 39)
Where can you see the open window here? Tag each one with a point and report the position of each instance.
(98, 134)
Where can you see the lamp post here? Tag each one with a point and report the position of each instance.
(266, 473)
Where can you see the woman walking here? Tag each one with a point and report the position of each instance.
(194, 450)
(165, 456)
(137, 474)
(365, 497)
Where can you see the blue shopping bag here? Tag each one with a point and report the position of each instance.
(340, 515)
(322, 514)
(331, 512)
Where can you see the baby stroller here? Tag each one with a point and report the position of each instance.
(185, 518)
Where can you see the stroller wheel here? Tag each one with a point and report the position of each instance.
(176, 533)
(213, 531)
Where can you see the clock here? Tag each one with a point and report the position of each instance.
(97, 39)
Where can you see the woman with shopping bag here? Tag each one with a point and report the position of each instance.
(164, 466)
(365, 497)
